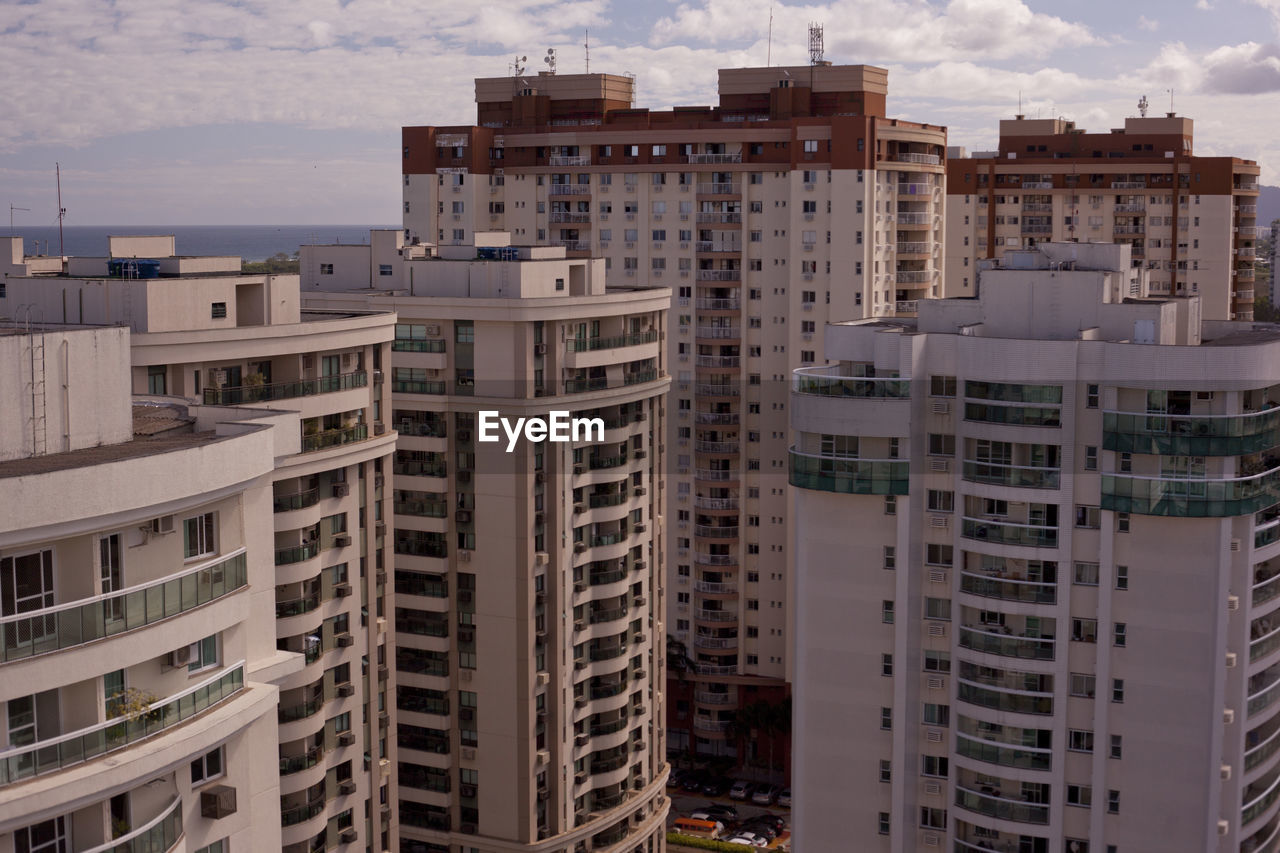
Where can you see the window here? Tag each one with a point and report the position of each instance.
(890, 504)
(1117, 746)
(942, 445)
(1122, 522)
(1122, 577)
(933, 818)
(51, 836)
(1117, 690)
(156, 379)
(934, 765)
(1091, 397)
(886, 719)
(206, 655)
(464, 332)
(559, 284)
(1088, 516)
(1079, 795)
(942, 386)
(1083, 684)
(886, 771)
(222, 845)
(206, 767)
(937, 608)
(810, 147)
(1091, 458)
(937, 661)
(886, 665)
(883, 823)
(1080, 740)
(1086, 574)
(659, 151)
(384, 269)
(941, 501)
(1084, 630)
(890, 557)
(1120, 633)
(197, 536)
(1113, 802)
(886, 612)
(326, 269)
(937, 715)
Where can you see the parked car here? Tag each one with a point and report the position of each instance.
(784, 798)
(742, 790)
(694, 780)
(778, 823)
(766, 795)
(675, 777)
(750, 839)
(715, 786)
(761, 828)
(716, 811)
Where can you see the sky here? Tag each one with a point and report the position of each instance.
(198, 112)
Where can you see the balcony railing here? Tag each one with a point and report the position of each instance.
(1128, 185)
(849, 476)
(912, 157)
(422, 509)
(570, 189)
(235, 395)
(606, 652)
(703, 724)
(914, 218)
(1009, 589)
(716, 475)
(566, 216)
(1037, 185)
(915, 189)
(719, 275)
(915, 248)
(715, 559)
(717, 615)
(994, 413)
(993, 805)
(295, 815)
(715, 669)
(300, 710)
(1009, 533)
(1026, 648)
(707, 389)
(1022, 476)
(417, 345)
(907, 306)
(715, 158)
(57, 753)
(719, 332)
(715, 642)
(710, 218)
(719, 189)
(717, 361)
(914, 276)
(710, 532)
(1003, 755)
(1191, 435)
(719, 304)
(157, 835)
(573, 245)
(826, 382)
(717, 246)
(297, 606)
(335, 437)
(715, 588)
(1186, 497)
(706, 697)
(716, 418)
(78, 622)
(569, 160)
(298, 500)
(715, 503)
(611, 342)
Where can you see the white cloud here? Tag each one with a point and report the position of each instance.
(1204, 5)
(1148, 24)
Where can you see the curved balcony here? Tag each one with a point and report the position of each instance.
(1013, 415)
(418, 345)
(240, 394)
(704, 724)
(335, 437)
(715, 559)
(297, 553)
(1191, 435)
(1009, 533)
(299, 711)
(1009, 589)
(297, 606)
(1019, 476)
(990, 803)
(717, 361)
(297, 763)
(705, 389)
(1264, 644)
(706, 697)
(57, 753)
(707, 531)
(1018, 702)
(715, 588)
(1191, 498)
(717, 615)
(1259, 796)
(75, 623)
(303, 813)
(715, 503)
(1005, 645)
(1002, 755)
(716, 418)
(715, 669)
(296, 501)
(158, 835)
(715, 643)
(1261, 744)
(715, 475)
(827, 382)
(612, 342)
(848, 476)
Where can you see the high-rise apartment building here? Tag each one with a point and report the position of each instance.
(1036, 593)
(239, 349)
(1190, 220)
(528, 571)
(136, 653)
(793, 201)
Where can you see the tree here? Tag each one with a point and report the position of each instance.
(678, 659)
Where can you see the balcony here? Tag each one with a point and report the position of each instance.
(1021, 476)
(422, 509)
(849, 476)
(707, 389)
(914, 276)
(75, 623)
(239, 394)
(915, 248)
(715, 158)
(1128, 185)
(569, 160)
(719, 304)
(570, 189)
(715, 503)
(912, 157)
(716, 475)
(723, 333)
(325, 439)
(566, 216)
(1244, 275)
(600, 653)
(720, 275)
(1247, 209)
(995, 413)
(1191, 435)
(1006, 645)
(914, 218)
(827, 382)
(1191, 498)
(1037, 185)
(1025, 758)
(57, 753)
(715, 588)
(717, 615)
(1036, 228)
(906, 306)
(915, 189)
(707, 246)
(707, 531)
(573, 245)
(295, 501)
(611, 342)
(1009, 533)
(716, 447)
(710, 218)
(1009, 588)
(706, 559)
(1130, 229)
(300, 814)
(716, 418)
(702, 642)
(706, 697)
(1002, 700)
(1036, 207)
(157, 835)
(418, 386)
(719, 189)
(418, 345)
(990, 803)
(704, 724)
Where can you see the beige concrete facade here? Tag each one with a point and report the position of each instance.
(528, 584)
(794, 201)
(1035, 600)
(1191, 221)
(239, 351)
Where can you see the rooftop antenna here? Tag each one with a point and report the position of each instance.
(1142, 106)
(1170, 91)
(62, 211)
(815, 44)
(550, 59)
(517, 65)
(11, 210)
(769, 55)
(586, 45)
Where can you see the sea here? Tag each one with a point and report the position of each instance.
(250, 242)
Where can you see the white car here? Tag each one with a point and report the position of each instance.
(750, 839)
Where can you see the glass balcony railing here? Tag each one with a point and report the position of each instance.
(417, 345)
(335, 437)
(239, 394)
(1190, 498)
(1021, 476)
(1001, 700)
(1259, 797)
(1009, 589)
(849, 476)
(158, 835)
(1006, 645)
(418, 386)
(1004, 755)
(1259, 753)
(296, 554)
(57, 753)
(299, 711)
(612, 342)
(1191, 435)
(993, 413)
(1009, 533)
(73, 624)
(298, 814)
(993, 805)
(823, 382)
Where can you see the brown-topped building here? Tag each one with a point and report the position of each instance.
(1190, 220)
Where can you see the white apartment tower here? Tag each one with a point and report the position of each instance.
(237, 349)
(528, 581)
(1037, 571)
(794, 200)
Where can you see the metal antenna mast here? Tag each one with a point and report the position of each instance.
(11, 210)
(586, 45)
(62, 211)
(815, 44)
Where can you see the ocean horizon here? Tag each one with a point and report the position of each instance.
(250, 242)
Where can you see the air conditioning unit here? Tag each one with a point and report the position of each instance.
(931, 839)
(468, 828)
(939, 466)
(1223, 827)
(467, 790)
(579, 507)
(638, 527)
(542, 679)
(468, 753)
(163, 524)
(940, 407)
(938, 521)
(1228, 716)
(640, 491)
(383, 672)
(580, 701)
(539, 476)
(345, 640)
(342, 590)
(937, 630)
(462, 516)
(638, 746)
(379, 480)
(346, 689)
(541, 558)
(1224, 772)
(347, 788)
(348, 836)
(582, 740)
(641, 674)
(184, 655)
(933, 735)
(380, 528)
(539, 518)
(544, 756)
(341, 490)
(579, 625)
(640, 565)
(579, 468)
(433, 330)
(932, 788)
(937, 576)
(935, 683)
(639, 601)
(377, 376)
(379, 428)
(1232, 659)
(346, 739)
(342, 540)
(1233, 602)
(217, 802)
(464, 556)
(579, 547)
